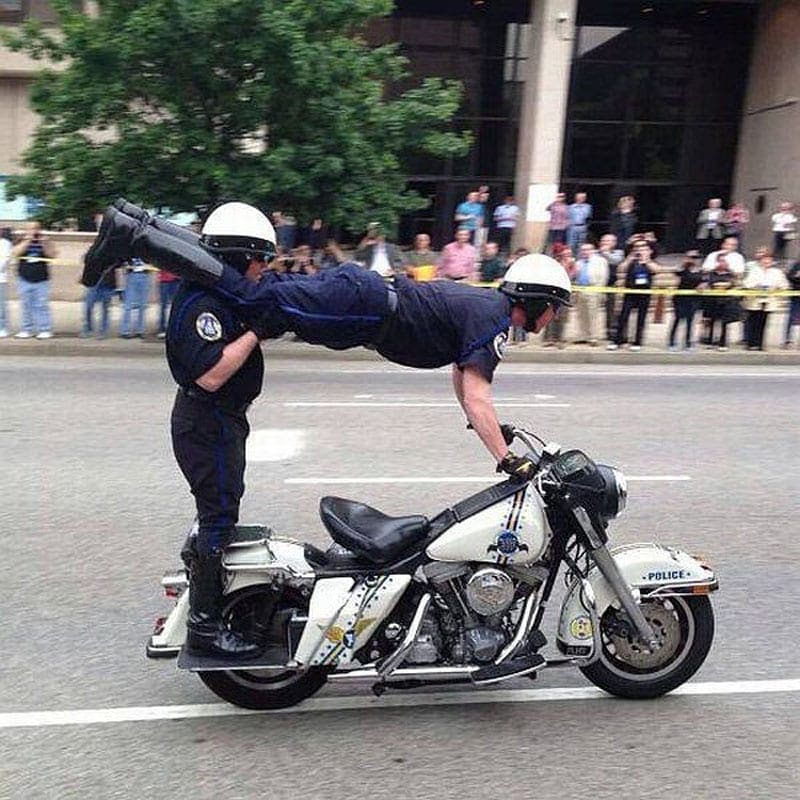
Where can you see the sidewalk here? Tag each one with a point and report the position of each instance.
(67, 321)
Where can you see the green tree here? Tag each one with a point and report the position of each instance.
(181, 103)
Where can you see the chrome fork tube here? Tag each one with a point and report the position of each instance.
(607, 565)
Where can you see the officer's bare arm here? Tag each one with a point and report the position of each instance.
(233, 356)
(474, 393)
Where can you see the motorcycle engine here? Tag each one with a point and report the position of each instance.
(489, 591)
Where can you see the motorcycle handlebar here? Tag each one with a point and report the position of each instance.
(527, 439)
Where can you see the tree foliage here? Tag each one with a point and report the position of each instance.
(182, 103)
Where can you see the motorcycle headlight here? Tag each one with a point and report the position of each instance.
(615, 497)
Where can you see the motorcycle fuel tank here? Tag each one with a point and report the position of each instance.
(513, 530)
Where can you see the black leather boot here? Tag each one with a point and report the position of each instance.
(206, 635)
(159, 224)
(184, 258)
(112, 245)
(120, 237)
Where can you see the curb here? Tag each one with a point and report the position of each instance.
(67, 346)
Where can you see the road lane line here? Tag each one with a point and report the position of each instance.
(467, 479)
(402, 404)
(274, 444)
(97, 716)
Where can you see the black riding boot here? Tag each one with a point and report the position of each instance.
(205, 631)
(156, 222)
(121, 237)
(111, 246)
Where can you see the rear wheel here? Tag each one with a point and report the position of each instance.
(255, 612)
(684, 626)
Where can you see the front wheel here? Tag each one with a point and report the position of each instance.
(684, 626)
(256, 613)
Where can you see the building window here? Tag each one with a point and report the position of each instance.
(652, 112)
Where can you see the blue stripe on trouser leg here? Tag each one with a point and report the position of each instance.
(209, 447)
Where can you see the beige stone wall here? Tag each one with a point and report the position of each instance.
(768, 161)
(19, 122)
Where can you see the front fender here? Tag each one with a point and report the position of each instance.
(649, 569)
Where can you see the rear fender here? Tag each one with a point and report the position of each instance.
(649, 569)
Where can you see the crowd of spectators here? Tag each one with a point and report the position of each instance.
(625, 260)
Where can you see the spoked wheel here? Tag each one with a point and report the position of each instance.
(254, 612)
(684, 626)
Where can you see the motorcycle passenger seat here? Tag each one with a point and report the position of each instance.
(369, 532)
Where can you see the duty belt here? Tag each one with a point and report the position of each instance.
(223, 405)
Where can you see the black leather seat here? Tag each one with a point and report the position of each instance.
(368, 532)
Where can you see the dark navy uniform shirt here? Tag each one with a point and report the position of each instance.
(200, 325)
(445, 322)
(435, 323)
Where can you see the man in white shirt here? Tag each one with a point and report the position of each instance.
(591, 269)
(729, 249)
(378, 255)
(784, 227)
(505, 220)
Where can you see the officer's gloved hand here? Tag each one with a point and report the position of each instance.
(519, 467)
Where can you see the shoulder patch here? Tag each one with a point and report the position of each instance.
(500, 344)
(208, 327)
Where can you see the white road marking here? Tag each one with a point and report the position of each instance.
(363, 396)
(274, 444)
(467, 479)
(403, 404)
(96, 716)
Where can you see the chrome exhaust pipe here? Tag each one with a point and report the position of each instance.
(393, 661)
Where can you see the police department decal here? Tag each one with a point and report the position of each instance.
(208, 327)
(500, 344)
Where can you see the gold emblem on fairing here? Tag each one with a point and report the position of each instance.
(336, 633)
(581, 628)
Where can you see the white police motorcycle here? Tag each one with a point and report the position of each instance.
(407, 602)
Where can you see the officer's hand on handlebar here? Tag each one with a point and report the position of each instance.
(519, 467)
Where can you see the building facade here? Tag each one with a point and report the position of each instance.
(671, 101)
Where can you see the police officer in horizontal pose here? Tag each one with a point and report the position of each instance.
(219, 369)
(423, 325)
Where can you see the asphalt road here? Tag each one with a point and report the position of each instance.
(93, 511)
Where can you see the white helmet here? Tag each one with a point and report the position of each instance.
(535, 282)
(233, 230)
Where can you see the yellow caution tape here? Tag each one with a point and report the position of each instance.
(60, 263)
(663, 292)
(667, 292)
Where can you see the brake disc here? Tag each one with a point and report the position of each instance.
(667, 630)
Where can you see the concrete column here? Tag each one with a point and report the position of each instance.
(768, 160)
(543, 117)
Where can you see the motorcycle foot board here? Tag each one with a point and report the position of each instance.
(274, 658)
(494, 673)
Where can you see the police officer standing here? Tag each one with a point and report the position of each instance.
(218, 366)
